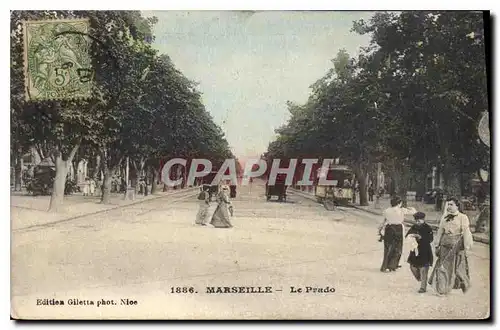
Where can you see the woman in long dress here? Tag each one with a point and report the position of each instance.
(92, 187)
(220, 219)
(204, 203)
(453, 240)
(392, 231)
(86, 187)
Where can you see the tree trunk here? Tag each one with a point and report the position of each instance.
(140, 174)
(184, 178)
(154, 183)
(403, 191)
(75, 170)
(395, 182)
(451, 182)
(360, 178)
(142, 163)
(363, 197)
(106, 185)
(450, 175)
(97, 169)
(40, 152)
(404, 179)
(133, 180)
(145, 174)
(18, 178)
(109, 166)
(57, 198)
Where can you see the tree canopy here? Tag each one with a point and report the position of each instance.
(142, 106)
(412, 99)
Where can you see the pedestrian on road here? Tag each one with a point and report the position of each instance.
(439, 200)
(232, 191)
(391, 229)
(453, 240)
(354, 192)
(92, 186)
(204, 200)
(220, 219)
(371, 192)
(421, 258)
(86, 187)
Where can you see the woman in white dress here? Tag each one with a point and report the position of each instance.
(86, 187)
(392, 231)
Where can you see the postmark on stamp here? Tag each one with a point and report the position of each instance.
(57, 60)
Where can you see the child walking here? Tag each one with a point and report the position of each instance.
(421, 257)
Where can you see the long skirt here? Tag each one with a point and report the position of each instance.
(201, 217)
(393, 247)
(452, 267)
(220, 219)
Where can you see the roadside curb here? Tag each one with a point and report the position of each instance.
(48, 224)
(433, 226)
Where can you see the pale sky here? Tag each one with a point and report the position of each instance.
(249, 65)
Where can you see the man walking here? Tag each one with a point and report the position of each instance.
(371, 192)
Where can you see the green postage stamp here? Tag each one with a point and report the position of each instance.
(57, 61)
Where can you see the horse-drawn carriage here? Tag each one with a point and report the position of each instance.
(42, 181)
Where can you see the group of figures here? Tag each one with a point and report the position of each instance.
(90, 187)
(224, 210)
(453, 240)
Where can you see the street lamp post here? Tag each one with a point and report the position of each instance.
(129, 192)
(127, 185)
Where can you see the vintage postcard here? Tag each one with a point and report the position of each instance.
(250, 165)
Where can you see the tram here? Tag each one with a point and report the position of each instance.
(340, 191)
